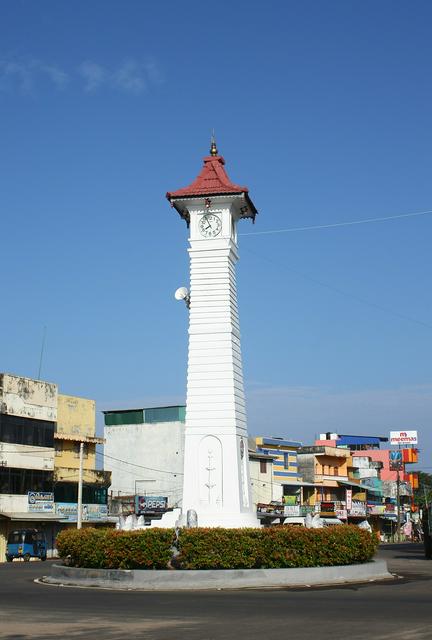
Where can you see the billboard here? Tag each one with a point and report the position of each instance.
(90, 512)
(40, 501)
(403, 437)
(150, 504)
(396, 462)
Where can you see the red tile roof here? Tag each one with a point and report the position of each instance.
(212, 181)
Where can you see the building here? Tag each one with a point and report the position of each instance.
(39, 429)
(76, 424)
(332, 492)
(216, 483)
(144, 452)
(373, 466)
(264, 497)
(28, 416)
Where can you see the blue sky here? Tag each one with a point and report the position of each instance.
(322, 109)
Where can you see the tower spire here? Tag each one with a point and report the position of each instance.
(213, 148)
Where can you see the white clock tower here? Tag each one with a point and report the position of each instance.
(216, 471)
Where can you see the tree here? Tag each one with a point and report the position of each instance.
(423, 495)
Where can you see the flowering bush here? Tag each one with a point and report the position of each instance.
(273, 547)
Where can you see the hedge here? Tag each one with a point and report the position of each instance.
(273, 547)
(111, 549)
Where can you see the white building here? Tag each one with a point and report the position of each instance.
(144, 450)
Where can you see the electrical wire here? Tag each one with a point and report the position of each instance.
(341, 292)
(140, 466)
(337, 224)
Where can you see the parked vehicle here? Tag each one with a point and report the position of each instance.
(26, 544)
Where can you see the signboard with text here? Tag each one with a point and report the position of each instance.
(90, 512)
(327, 508)
(150, 504)
(40, 501)
(403, 437)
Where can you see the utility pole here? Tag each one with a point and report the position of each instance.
(398, 518)
(80, 485)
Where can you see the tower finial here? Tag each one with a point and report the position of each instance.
(213, 148)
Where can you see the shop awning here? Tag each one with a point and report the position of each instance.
(365, 487)
(26, 516)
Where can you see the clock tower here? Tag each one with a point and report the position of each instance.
(216, 468)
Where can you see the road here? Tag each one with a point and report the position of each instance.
(396, 610)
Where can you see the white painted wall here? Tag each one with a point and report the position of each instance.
(261, 483)
(13, 503)
(25, 456)
(28, 398)
(147, 448)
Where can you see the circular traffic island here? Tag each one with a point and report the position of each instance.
(216, 558)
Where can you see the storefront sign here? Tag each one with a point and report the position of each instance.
(90, 512)
(327, 508)
(403, 437)
(376, 509)
(292, 510)
(150, 504)
(358, 508)
(341, 514)
(40, 501)
(349, 499)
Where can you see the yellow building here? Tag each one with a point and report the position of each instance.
(76, 423)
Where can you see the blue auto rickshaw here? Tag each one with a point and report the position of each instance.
(26, 544)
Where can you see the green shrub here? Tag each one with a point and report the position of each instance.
(273, 547)
(111, 549)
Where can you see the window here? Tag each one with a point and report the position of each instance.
(77, 450)
(68, 492)
(286, 461)
(336, 471)
(36, 433)
(263, 466)
(20, 481)
(58, 447)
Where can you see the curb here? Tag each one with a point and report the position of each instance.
(189, 580)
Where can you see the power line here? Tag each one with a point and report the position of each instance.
(337, 224)
(341, 292)
(140, 466)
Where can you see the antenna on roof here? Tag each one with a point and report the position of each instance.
(213, 148)
(42, 351)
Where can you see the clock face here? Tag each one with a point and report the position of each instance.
(210, 225)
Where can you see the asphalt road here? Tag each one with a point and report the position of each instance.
(396, 610)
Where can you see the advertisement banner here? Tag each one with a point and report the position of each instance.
(150, 504)
(40, 501)
(358, 508)
(396, 463)
(90, 512)
(327, 508)
(342, 514)
(292, 510)
(403, 437)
